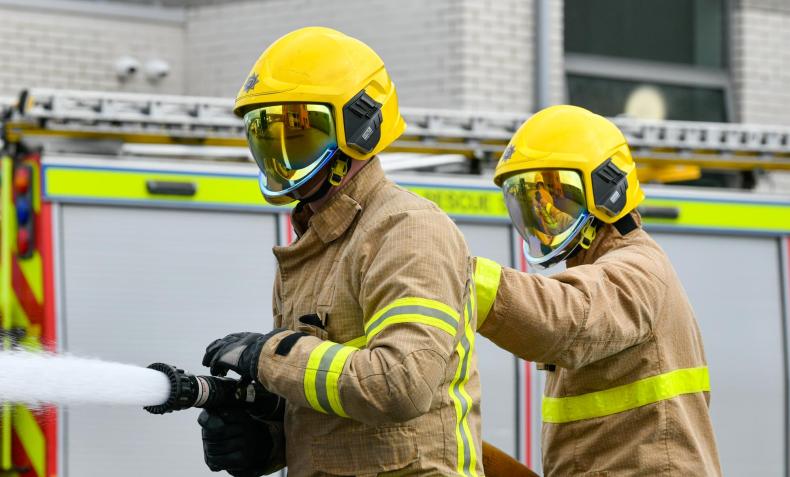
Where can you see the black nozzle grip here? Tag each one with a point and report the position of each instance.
(183, 390)
(212, 392)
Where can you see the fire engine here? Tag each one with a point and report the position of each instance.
(132, 229)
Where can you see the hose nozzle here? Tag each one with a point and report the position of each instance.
(188, 390)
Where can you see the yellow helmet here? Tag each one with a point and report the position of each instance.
(570, 137)
(311, 93)
(568, 166)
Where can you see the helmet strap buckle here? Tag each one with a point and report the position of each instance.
(588, 235)
(339, 169)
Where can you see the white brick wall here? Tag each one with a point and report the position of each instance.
(557, 87)
(417, 39)
(760, 61)
(497, 55)
(57, 49)
(457, 54)
(499, 51)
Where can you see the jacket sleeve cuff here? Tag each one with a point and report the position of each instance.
(305, 370)
(282, 363)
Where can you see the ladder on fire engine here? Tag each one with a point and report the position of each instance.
(198, 121)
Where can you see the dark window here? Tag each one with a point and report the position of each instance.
(610, 97)
(674, 31)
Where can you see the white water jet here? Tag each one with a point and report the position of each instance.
(45, 378)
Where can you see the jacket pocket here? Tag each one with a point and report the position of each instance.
(313, 324)
(359, 451)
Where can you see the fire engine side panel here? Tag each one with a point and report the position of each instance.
(737, 298)
(144, 285)
(734, 284)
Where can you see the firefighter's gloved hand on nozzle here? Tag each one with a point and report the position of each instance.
(243, 446)
(238, 352)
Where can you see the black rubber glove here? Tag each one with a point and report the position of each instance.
(238, 352)
(243, 446)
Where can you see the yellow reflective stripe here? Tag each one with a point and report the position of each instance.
(724, 215)
(125, 185)
(413, 310)
(462, 401)
(456, 201)
(629, 396)
(413, 301)
(461, 407)
(324, 367)
(19, 317)
(32, 271)
(311, 373)
(32, 438)
(412, 318)
(470, 338)
(333, 376)
(358, 342)
(6, 236)
(488, 273)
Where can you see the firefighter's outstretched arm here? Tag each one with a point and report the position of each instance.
(413, 290)
(575, 317)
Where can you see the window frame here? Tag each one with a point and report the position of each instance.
(657, 72)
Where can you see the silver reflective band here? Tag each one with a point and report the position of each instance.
(414, 310)
(322, 374)
(202, 391)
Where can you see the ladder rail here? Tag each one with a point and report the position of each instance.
(127, 116)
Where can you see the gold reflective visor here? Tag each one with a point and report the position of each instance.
(548, 209)
(290, 143)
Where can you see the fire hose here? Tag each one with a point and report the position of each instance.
(211, 392)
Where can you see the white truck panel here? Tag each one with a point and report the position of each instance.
(144, 285)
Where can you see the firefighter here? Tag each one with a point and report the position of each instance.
(627, 388)
(373, 346)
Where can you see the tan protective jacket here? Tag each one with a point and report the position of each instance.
(385, 382)
(628, 391)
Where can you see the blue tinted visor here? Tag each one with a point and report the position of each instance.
(290, 143)
(548, 208)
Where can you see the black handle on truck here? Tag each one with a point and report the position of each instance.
(184, 189)
(659, 212)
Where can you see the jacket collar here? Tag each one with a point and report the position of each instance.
(606, 240)
(336, 216)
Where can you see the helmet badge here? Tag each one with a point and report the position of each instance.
(507, 154)
(251, 82)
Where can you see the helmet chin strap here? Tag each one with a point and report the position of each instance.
(586, 236)
(624, 226)
(337, 172)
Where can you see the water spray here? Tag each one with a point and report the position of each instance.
(212, 392)
(37, 379)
